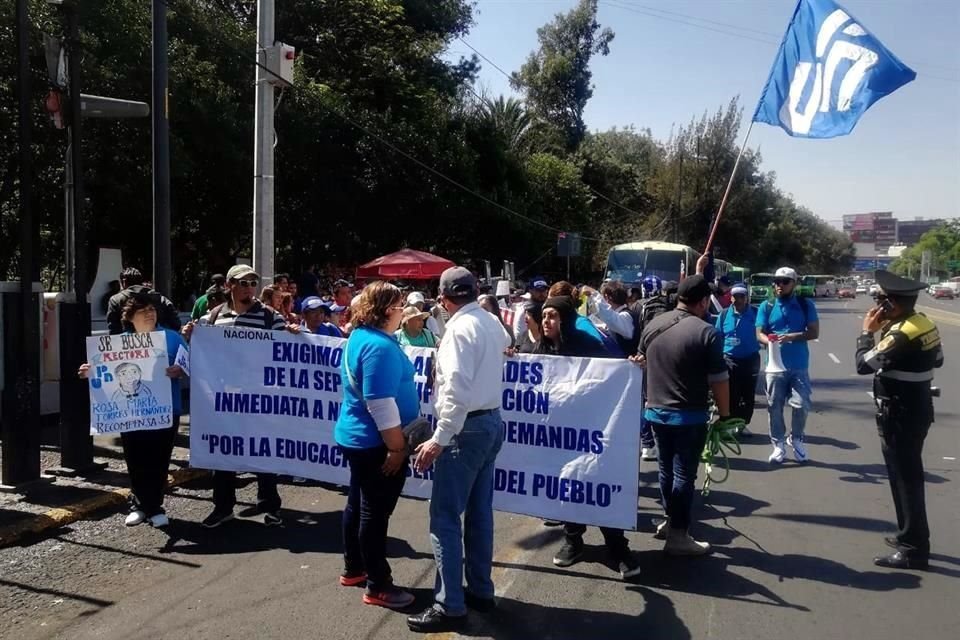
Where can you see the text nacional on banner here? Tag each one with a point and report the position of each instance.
(267, 402)
(129, 387)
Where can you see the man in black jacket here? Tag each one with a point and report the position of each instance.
(131, 283)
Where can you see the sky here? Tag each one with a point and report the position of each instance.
(672, 60)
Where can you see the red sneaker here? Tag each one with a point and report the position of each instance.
(351, 579)
(391, 598)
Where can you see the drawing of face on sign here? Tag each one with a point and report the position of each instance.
(129, 376)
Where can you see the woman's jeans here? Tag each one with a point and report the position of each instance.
(370, 504)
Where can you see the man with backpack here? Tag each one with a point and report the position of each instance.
(789, 321)
(243, 309)
(654, 303)
(741, 351)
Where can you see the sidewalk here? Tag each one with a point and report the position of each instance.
(46, 505)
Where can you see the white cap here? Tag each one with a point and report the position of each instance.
(786, 272)
(415, 297)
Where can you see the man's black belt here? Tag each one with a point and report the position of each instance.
(481, 412)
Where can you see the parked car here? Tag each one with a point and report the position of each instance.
(847, 292)
(943, 292)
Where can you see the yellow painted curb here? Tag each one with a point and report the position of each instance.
(62, 516)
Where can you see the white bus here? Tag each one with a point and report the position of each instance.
(825, 286)
(633, 261)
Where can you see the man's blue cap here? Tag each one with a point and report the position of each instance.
(312, 303)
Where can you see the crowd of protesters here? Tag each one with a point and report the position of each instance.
(712, 354)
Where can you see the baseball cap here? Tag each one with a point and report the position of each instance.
(238, 271)
(312, 303)
(740, 289)
(458, 281)
(693, 289)
(416, 297)
(539, 283)
(786, 272)
(333, 307)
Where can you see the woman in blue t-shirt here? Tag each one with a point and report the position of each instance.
(378, 400)
(147, 453)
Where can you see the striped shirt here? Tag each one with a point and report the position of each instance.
(256, 317)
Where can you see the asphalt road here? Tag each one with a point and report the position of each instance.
(793, 549)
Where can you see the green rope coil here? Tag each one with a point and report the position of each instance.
(721, 438)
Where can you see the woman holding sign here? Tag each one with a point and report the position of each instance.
(380, 398)
(561, 337)
(147, 453)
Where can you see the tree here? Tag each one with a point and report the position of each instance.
(556, 78)
(943, 243)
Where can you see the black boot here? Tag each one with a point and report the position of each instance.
(902, 560)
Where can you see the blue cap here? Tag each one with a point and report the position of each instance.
(312, 303)
(333, 307)
(539, 283)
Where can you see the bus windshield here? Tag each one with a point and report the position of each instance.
(761, 280)
(629, 265)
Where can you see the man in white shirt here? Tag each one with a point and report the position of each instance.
(537, 293)
(611, 309)
(464, 447)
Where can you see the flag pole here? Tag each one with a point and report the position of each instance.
(726, 194)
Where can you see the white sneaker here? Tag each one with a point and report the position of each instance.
(681, 543)
(649, 453)
(159, 520)
(778, 455)
(799, 451)
(135, 518)
(662, 530)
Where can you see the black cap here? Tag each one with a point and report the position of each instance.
(693, 289)
(458, 281)
(894, 285)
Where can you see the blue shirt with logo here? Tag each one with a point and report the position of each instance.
(738, 331)
(787, 316)
(381, 369)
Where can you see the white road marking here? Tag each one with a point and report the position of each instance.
(950, 458)
(835, 359)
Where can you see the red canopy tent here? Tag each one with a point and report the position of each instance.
(406, 264)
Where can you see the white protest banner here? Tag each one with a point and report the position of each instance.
(129, 387)
(267, 401)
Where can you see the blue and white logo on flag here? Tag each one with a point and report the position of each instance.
(828, 72)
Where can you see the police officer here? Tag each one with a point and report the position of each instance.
(902, 364)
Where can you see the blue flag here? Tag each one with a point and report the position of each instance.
(828, 72)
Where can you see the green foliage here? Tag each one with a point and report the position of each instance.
(556, 78)
(943, 243)
(371, 81)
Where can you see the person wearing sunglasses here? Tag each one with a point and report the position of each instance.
(242, 309)
(791, 322)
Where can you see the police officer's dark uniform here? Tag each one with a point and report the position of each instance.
(903, 363)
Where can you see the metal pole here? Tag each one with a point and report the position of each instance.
(76, 445)
(726, 193)
(21, 426)
(676, 221)
(161, 153)
(263, 233)
(69, 239)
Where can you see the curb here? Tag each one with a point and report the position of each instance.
(62, 516)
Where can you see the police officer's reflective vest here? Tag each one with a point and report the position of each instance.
(903, 363)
